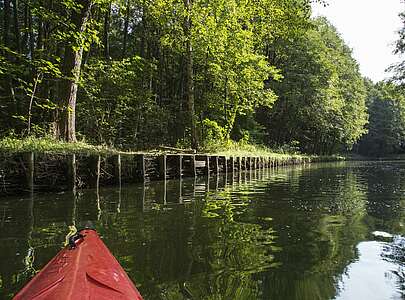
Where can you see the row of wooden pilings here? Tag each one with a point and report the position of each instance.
(49, 172)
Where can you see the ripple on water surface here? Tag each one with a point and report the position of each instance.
(327, 231)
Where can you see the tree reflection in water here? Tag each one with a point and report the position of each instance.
(291, 233)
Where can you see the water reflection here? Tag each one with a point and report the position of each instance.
(290, 233)
(357, 283)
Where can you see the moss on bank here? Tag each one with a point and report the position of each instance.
(48, 145)
(230, 148)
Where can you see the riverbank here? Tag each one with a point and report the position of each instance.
(42, 165)
(392, 157)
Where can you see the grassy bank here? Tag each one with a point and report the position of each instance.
(48, 145)
(229, 148)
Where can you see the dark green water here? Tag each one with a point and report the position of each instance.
(295, 233)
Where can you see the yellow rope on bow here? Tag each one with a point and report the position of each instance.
(72, 232)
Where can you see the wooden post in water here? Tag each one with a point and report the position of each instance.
(142, 167)
(191, 168)
(30, 160)
(231, 164)
(180, 190)
(180, 166)
(117, 169)
(216, 165)
(207, 165)
(225, 166)
(162, 166)
(71, 171)
(98, 171)
(165, 188)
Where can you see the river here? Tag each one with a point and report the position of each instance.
(325, 231)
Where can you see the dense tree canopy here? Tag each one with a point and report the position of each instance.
(321, 106)
(386, 130)
(386, 107)
(137, 74)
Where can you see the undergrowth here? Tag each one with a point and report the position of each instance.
(46, 144)
(226, 148)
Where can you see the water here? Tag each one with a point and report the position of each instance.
(330, 231)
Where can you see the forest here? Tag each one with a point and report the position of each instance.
(137, 74)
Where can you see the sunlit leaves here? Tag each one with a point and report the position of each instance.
(322, 96)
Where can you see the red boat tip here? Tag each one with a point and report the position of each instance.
(84, 270)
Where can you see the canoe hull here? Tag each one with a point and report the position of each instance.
(88, 271)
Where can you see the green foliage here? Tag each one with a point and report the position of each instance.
(242, 148)
(116, 106)
(48, 144)
(386, 130)
(133, 84)
(322, 97)
(212, 132)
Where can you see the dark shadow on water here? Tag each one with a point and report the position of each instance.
(288, 233)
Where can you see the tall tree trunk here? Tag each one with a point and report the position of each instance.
(126, 24)
(6, 22)
(39, 35)
(190, 76)
(24, 44)
(16, 26)
(106, 38)
(66, 119)
(31, 34)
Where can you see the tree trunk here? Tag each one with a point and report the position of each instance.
(126, 24)
(24, 44)
(190, 76)
(66, 119)
(16, 26)
(144, 37)
(106, 32)
(39, 35)
(6, 22)
(31, 34)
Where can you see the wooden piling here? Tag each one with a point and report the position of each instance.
(142, 167)
(216, 165)
(30, 160)
(231, 164)
(71, 172)
(225, 165)
(207, 165)
(189, 165)
(98, 171)
(87, 171)
(180, 166)
(162, 167)
(116, 161)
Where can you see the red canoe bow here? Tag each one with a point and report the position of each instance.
(84, 270)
